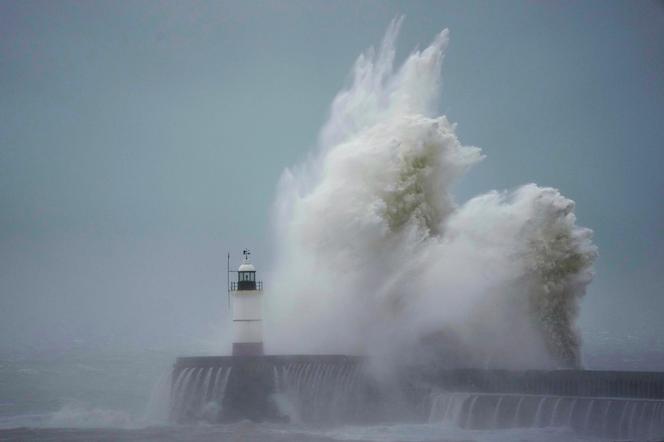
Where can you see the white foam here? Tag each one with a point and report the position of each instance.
(375, 256)
(425, 433)
(80, 416)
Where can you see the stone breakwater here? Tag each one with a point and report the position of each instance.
(342, 389)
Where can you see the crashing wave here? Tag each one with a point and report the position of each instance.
(376, 257)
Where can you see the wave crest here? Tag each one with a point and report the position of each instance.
(375, 256)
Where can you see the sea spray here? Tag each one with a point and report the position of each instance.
(374, 256)
(160, 398)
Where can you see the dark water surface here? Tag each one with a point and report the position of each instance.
(249, 432)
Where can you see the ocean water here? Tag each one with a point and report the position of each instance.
(87, 396)
(250, 432)
(82, 389)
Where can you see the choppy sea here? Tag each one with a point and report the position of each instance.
(249, 432)
(87, 396)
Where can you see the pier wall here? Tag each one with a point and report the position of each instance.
(338, 388)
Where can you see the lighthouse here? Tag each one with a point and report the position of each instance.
(247, 304)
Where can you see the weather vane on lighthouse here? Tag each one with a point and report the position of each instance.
(246, 300)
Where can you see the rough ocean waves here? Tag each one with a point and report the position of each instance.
(376, 257)
(250, 432)
(124, 398)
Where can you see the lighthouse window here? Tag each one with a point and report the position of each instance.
(247, 276)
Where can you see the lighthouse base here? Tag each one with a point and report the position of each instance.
(247, 349)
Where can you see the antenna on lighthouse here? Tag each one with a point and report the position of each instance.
(228, 280)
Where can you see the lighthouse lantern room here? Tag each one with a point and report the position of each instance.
(247, 305)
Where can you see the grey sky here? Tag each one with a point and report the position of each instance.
(139, 141)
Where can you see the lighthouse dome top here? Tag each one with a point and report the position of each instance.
(246, 266)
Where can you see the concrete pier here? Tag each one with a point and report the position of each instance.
(338, 389)
(251, 383)
(589, 383)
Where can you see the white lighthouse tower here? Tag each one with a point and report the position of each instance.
(247, 304)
